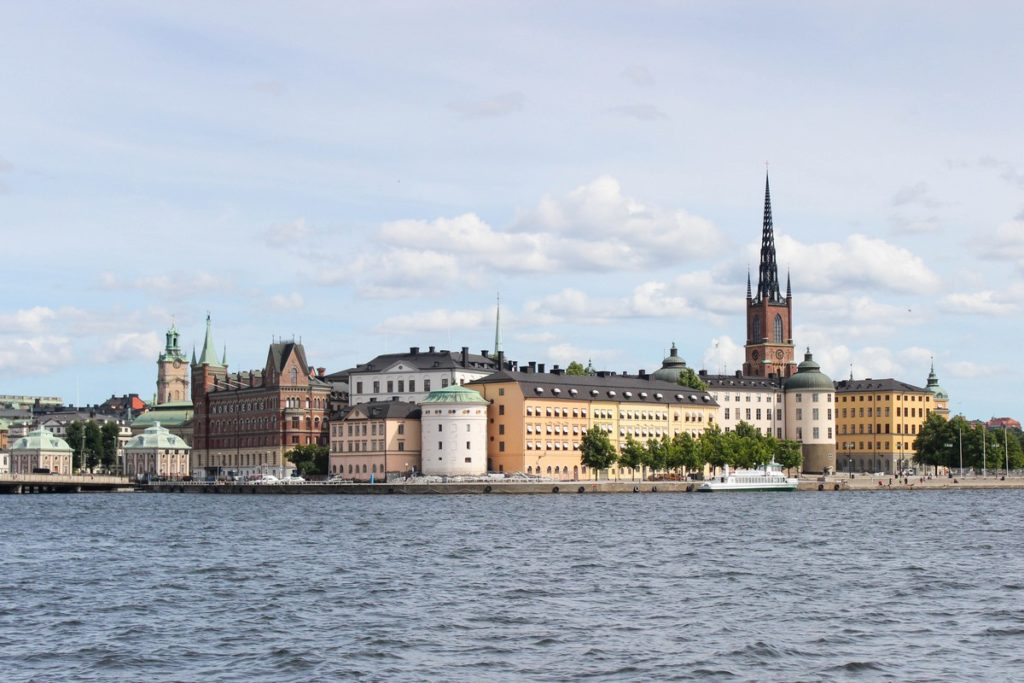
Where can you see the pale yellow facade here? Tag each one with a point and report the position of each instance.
(365, 445)
(539, 433)
(877, 422)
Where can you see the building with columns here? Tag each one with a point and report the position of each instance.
(157, 453)
(40, 449)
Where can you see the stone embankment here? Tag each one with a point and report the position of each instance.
(868, 482)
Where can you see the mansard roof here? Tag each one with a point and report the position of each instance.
(381, 410)
(600, 387)
(428, 360)
(884, 385)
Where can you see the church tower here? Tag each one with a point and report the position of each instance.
(171, 371)
(769, 347)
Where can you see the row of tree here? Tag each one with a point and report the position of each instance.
(93, 445)
(746, 447)
(941, 442)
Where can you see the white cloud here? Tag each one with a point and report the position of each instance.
(287, 302)
(394, 273)
(1005, 244)
(640, 112)
(129, 346)
(638, 74)
(436, 320)
(917, 193)
(30, 320)
(174, 284)
(35, 355)
(287, 234)
(980, 303)
(565, 353)
(723, 356)
(970, 370)
(490, 107)
(860, 261)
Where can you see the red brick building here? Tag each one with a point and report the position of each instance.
(245, 422)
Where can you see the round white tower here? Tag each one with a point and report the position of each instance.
(454, 432)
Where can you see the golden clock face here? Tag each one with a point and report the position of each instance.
(177, 364)
(754, 354)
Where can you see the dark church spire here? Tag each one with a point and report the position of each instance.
(768, 275)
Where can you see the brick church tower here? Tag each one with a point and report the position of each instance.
(207, 372)
(769, 347)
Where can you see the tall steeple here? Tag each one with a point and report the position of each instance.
(209, 354)
(497, 328)
(768, 274)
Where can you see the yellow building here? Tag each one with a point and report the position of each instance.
(536, 419)
(877, 421)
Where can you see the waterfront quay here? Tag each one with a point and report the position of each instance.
(63, 483)
(807, 483)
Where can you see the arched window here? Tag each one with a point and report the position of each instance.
(755, 328)
(294, 376)
(778, 328)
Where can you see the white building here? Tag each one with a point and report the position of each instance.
(412, 376)
(454, 432)
(810, 415)
(156, 453)
(40, 449)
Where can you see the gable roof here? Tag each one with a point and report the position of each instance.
(621, 388)
(428, 360)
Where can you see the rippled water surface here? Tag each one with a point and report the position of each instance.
(917, 586)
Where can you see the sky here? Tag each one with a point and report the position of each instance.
(366, 177)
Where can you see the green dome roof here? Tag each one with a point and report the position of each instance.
(809, 376)
(40, 440)
(156, 437)
(454, 394)
(670, 367)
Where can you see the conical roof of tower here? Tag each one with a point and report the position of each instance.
(768, 271)
(209, 354)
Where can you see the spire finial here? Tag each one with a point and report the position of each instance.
(497, 327)
(748, 282)
(789, 287)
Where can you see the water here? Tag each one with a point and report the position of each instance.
(917, 586)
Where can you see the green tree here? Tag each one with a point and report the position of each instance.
(75, 437)
(576, 369)
(685, 453)
(108, 435)
(713, 448)
(689, 378)
(656, 454)
(93, 444)
(309, 459)
(789, 454)
(632, 455)
(932, 444)
(596, 450)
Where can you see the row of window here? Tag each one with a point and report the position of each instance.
(814, 397)
(815, 433)
(267, 404)
(877, 412)
(756, 414)
(375, 445)
(815, 414)
(767, 398)
(878, 445)
(885, 397)
(391, 385)
(862, 429)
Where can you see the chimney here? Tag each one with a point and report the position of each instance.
(501, 360)
(431, 349)
(739, 373)
(465, 356)
(703, 373)
(642, 374)
(413, 350)
(514, 363)
(321, 372)
(540, 368)
(557, 371)
(483, 352)
(533, 366)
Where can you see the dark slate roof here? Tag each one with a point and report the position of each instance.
(744, 382)
(382, 410)
(281, 351)
(427, 360)
(561, 386)
(887, 384)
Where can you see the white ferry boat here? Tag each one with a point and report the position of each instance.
(771, 478)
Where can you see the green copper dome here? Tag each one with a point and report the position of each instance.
(156, 437)
(454, 394)
(809, 376)
(670, 367)
(40, 440)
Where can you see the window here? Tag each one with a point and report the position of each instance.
(401, 385)
(391, 386)
(444, 382)
(440, 428)
(726, 413)
(501, 429)
(501, 446)
(401, 445)
(814, 414)
(814, 398)
(440, 446)
(468, 446)
(778, 328)
(748, 412)
(815, 433)
(376, 386)
(758, 413)
(468, 426)
(469, 459)
(799, 433)
(799, 413)
(426, 385)
(799, 398)
(359, 387)
(294, 374)
(501, 409)
(501, 391)
(755, 328)
(412, 385)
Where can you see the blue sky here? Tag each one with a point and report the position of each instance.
(367, 177)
